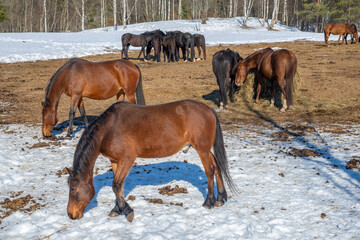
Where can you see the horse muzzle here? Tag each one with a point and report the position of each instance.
(75, 216)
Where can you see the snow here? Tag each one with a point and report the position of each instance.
(282, 196)
(269, 206)
(19, 47)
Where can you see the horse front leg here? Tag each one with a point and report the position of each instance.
(74, 103)
(272, 101)
(339, 39)
(118, 187)
(258, 89)
(82, 112)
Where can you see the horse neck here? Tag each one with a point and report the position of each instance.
(87, 151)
(251, 61)
(56, 89)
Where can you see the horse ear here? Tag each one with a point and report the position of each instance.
(70, 172)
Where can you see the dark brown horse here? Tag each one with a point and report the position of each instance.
(169, 46)
(128, 39)
(277, 66)
(199, 42)
(80, 78)
(126, 131)
(339, 29)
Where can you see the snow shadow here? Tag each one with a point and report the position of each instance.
(318, 144)
(78, 125)
(153, 175)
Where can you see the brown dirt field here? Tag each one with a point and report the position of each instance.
(329, 90)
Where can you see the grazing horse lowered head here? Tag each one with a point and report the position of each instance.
(126, 131)
(277, 66)
(224, 65)
(199, 42)
(340, 29)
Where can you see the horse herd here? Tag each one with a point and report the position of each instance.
(170, 43)
(127, 131)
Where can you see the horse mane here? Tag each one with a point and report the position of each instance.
(261, 51)
(52, 79)
(89, 143)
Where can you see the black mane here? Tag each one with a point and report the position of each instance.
(89, 143)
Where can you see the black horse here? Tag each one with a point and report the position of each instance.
(149, 36)
(199, 42)
(128, 39)
(169, 46)
(156, 41)
(184, 41)
(224, 64)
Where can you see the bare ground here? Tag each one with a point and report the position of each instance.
(329, 88)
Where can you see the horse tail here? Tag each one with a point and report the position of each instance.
(140, 99)
(289, 76)
(220, 156)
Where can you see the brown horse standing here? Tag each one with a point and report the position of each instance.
(80, 78)
(151, 132)
(277, 66)
(339, 29)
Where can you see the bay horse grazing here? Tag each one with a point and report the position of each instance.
(224, 65)
(80, 78)
(277, 66)
(339, 29)
(199, 42)
(353, 36)
(126, 131)
(169, 45)
(148, 37)
(184, 41)
(128, 39)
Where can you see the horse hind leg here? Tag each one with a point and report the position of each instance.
(209, 171)
(83, 113)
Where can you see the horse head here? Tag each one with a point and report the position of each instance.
(50, 118)
(241, 73)
(81, 192)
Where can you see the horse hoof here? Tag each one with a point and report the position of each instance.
(219, 203)
(114, 214)
(207, 206)
(282, 110)
(221, 107)
(130, 216)
(226, 106)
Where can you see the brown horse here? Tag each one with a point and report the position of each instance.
(277, 66)
(151, 132)
(128, 39)
(353, 26)
(340, 29)
(80, 78)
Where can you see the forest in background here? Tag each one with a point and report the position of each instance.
(79, 15)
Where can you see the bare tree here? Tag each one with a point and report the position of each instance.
(285, 13)
(248, 4)
(45, 22)
(124, 13)
(82, 15)
(273, 18)
(180, 10)
(230, 9)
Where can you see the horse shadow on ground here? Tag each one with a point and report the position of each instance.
(320, 146)
(154, 175)
(78, 126)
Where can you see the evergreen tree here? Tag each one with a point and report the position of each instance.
(2, 12)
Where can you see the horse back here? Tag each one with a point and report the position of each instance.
(158, 130)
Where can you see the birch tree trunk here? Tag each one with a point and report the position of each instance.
(173, 9)
(45, 22)
(180, 10)
(82, 15)
(273, 17)
(235, 7)
(124, 12)
(248, 4)
(230, 8)
(285, 14)
(153, 10)
(136, 12)
(169, 8)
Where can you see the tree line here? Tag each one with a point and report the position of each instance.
(78, 15)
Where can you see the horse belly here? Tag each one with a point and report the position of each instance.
(101, 91)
